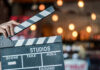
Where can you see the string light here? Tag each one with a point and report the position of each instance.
(89, 29)
(55, 17)
(74, 33)
(71, 26)
(59, 30)
(93, 16)
(59, 2)
(41, 7)
(81, 4)
(33, 27)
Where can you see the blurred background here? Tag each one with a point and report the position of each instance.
(77, 21)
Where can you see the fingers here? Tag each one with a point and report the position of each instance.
(3, 31)
(0, 66)
(11, 29)
(14, 22)
(8, 30)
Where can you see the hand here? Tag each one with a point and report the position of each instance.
(0, 65)
(7, 29)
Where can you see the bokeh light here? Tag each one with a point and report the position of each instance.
(59, 2)
(10, 1)
(81, 4)
(74, 33)
(41, 7)
(93, 16)
(71, 26)
(55, 17)
(34, 7)
(59, 30)
(89, 29)
(33, 27)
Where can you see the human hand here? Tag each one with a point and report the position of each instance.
(7, 29)
(0, 65)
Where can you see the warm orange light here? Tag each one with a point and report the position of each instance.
(89, 29)
(55, 17)
(59, 2)
(41, 7)
(33, 27)
(74, 33)
(59, 30)
(93, 16)
(71, 26)
(81, 4)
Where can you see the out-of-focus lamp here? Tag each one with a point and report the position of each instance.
(41, 7)
(59, 30)
(59, 2)
(74, 33)
(93, 16)
(81, 4)
(71, 26)
(33, 27)
(89, 29)
(55, 17)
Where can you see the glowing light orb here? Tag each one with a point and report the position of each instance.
(59, 30)
(55, 18)
(89, 29)
(33, 27)
(81, 4)
(74, 33)
(59, 2)
(93, 16)
(41, 7)
(71, 26)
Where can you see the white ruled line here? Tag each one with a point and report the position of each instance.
(34, 67)
(41, 59)
(31, 53)
(22, 61)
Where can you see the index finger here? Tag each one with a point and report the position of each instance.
(14, 22)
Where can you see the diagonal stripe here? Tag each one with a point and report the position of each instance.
(17, 29)
(35, 18)
(39, 15)
(50, 9)
(30, 21)
(44, 13)
(20, 26)
(26, 24)
(41, 40)
(30, 41)
(52, 39)
(19, 42)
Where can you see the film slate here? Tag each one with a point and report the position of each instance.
(44, 53)
(5, 42)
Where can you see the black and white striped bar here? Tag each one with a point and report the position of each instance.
(34, 41)
(33, 19)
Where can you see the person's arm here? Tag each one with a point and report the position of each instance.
(7, 29)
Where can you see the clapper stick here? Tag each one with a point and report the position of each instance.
(33, 20)
(5, 42)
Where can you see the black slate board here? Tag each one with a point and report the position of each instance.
(46, 56)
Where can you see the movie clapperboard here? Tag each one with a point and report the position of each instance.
(6, 42)
(44, 53)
